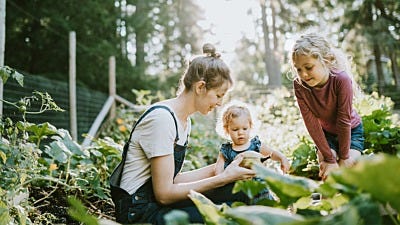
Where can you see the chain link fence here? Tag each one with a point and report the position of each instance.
(89, 102)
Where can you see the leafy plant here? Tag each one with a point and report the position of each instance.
(349, 197)
(381, 134)
(7, 72)
(41, 157)
(79, 212)
(304, 160)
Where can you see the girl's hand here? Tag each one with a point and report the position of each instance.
(234, 172)
(285, 165)
(325, 168)
(349, 162)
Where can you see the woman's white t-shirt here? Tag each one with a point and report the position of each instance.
(153, 136)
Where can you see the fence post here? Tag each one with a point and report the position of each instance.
(112, 84)
(72, 85)
(2, 47)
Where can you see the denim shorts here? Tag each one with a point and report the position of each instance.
(357, 139)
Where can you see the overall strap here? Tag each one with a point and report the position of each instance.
(125, 152)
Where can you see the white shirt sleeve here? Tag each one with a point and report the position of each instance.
(156, 133)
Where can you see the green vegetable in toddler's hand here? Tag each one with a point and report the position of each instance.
(250, 158)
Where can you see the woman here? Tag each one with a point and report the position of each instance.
(150, 183)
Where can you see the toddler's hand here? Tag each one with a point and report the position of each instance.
(285, 165)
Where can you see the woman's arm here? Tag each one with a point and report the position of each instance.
(198, 174)
(219, 167)
(167, 192)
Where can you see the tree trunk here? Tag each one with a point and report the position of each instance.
(124, 40)
(274, 29)
(379, 70)
(272, 65)
(395, 70)
(140, 40)
(2, 47)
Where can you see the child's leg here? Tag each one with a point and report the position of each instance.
(351, 161)
(354, 153)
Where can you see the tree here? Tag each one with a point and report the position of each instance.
(150, 39)
(163, 34)
(37, 38)
(368, 18)
(270, 57)
(249, 64)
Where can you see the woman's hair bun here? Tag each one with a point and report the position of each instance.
(209, 50)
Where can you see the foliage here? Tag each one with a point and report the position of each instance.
(6, 72)
(146, 37)
(202, 151)
(176, 217)
(40, 28)
(381, 132)
(41, 156)
(348, 197)
(79, 212)
(304, 161)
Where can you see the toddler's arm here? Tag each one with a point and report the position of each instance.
(276, 156)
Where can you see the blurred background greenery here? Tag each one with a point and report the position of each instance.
(152, 39)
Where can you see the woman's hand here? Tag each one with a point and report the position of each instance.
(235, 172)
(325, 168)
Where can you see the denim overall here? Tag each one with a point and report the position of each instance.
(141, 206)
(230, 154)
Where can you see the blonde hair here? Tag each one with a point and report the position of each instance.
(232, 110)
(208, 67)
(319, 48)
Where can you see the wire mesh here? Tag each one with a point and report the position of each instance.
(89, 102)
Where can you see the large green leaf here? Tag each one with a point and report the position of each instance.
(41, 131)
(58, 151)
(6, 72)
(250, 187)
(78, 211)
(176, 217)
(4, 213)
(261, 215)
(3, 156)
(212, 214)
(74, 147)
(376, 175)
(287, 187)
(19, 78)
(346, 216)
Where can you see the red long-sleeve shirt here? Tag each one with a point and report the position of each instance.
(329, 108)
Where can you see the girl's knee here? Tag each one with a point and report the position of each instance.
(354, 153)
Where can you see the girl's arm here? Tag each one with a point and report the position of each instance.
(344, 111)
(276, 156)
(167, 191)
(313, 127)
